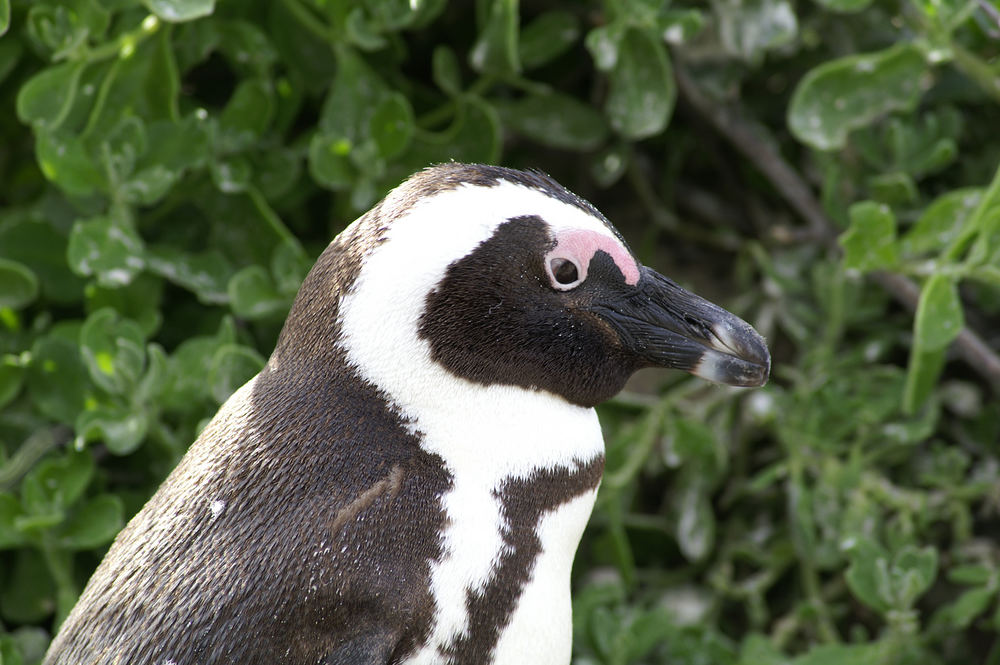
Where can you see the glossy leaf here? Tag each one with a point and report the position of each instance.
(870, 242)
(65, 161)
(446, 72)
(941, 222)
(247, 114)
(94, 523)
(113, 350)
(642, 90)
(844, 6)
(45, 100)
(57, 379)
(852, 92)
(18, 285)
(232, 366)
(252, 295)
(391, 125)
(496, 49)
(57, 483)
(749, 28)
(107, 249)
(557, 120)
(546, 37)
(939, 316)
(177, 11)
(206, 274)
(120, 430)
(329, 161)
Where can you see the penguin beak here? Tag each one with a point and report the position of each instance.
(667, 326)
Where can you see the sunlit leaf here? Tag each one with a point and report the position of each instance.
(852, 92)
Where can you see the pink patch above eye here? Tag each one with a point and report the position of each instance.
(579, 246)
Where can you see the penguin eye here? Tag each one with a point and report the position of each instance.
(565, 273)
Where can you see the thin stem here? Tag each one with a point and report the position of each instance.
(309, 20)
(272, 219)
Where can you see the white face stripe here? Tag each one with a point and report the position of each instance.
(484, 434)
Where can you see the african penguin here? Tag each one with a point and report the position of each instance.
(407, 479)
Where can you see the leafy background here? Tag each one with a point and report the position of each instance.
(826, 168)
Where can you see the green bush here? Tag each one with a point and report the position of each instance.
(170, 168)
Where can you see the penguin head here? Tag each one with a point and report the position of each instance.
(504, 278)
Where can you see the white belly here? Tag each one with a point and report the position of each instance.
(541, 628)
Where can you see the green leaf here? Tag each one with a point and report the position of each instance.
(971, 574)
(642, 91)
(495, 50)
(232, 366)
(124, 145)
(556, 120)
(914, 571)
(231, 175)
(43, 250)
(149, 185)
(121, 430)
(10, 510)
(968, 606)
(177, 146)
(392, 125)
(28, 597)
(57, 379)
(603, 42)
(113, 351)
(56, 483)
(941, 222)
(844, 6)
(46, 99)
(445, 71)
(93, 524)
(678, 26)
(64, 160)
(757, 649)
(12, 374)
(140, 301)
(842, 654)
(252, 295)
(939, 317)
(277, 171)
(896, 188)
(330, 162)
(868, 575)
(247, 115)
(696, 521)
(355, 93)
(749, 28)
(178, 11)
(362, 32)
(289, 266)
(4, 16)
(10, 54)
(547, 37)
(205, 274)
(852, 92)
(18, 285)
(106, 248)
(870, 241)
(922, 375)
(185, 387)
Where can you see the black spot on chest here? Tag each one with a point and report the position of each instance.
(524, 501)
